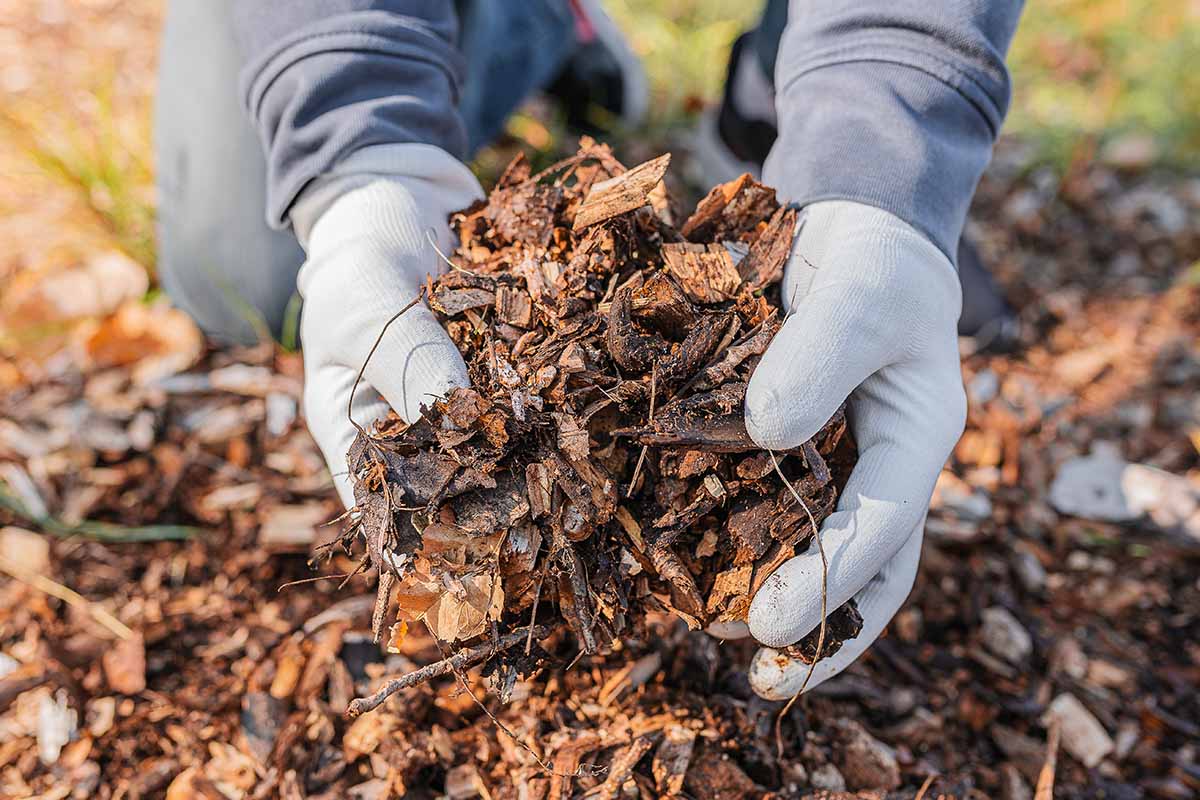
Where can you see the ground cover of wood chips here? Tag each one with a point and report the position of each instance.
(196, 667)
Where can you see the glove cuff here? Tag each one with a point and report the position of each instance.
(875, 244)
(438, 182)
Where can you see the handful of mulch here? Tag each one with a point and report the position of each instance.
(599, 468)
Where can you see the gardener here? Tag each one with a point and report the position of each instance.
(879, 120)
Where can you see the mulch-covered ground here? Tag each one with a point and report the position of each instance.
(191, 668)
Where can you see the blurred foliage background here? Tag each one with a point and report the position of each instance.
(1111, 79)
(1122, 74)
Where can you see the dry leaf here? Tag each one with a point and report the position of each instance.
(95, 288)
(465, 611)
(153, 340)
(396, 636)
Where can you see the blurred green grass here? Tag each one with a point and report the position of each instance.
(1096, 71)
(1085, 72)
(101, 154)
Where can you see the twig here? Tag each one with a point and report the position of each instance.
(592, 154)
(317, 579)
(367, 360)
(824, 605)
(68, 596)
(925, 787)
(637, 469)
(537, 595)
(1045, 783)
(462, 679)
(722, 349)
(368, 438)
(433, 243)
(460, 660)
(495, 647)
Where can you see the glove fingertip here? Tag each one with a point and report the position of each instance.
(781, 611)
(416, 364)
(773, 675)
(777, 416)
(765, 416)
(426, 386)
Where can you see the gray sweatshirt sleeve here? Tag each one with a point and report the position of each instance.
(324, 78)
(892, 103)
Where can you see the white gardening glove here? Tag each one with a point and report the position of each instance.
(366, 229)
(873, 311)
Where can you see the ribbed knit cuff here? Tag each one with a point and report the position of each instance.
(323, 80)
(888, 135)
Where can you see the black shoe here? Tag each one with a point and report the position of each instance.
(987, 318)
(603, 81)
(727, 143)
(748, 140)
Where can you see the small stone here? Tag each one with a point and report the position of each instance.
(124, 665)
(1082, 734)
(1129, 733)
(1005, 636)
(828, 778)
(865, 762)
(983, 387)
(56, 723)
(29, 550)
(1012, 785)
(101, 712)
(1068, 658)
(954, 495)
(1029, 570)
(1104, 487)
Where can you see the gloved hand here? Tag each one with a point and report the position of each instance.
(366, 229)
(873, 312)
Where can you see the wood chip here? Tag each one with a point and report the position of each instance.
(626, 192)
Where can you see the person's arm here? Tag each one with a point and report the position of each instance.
(322, 79)
(887, 110)
(893, 104)
(356, 105)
